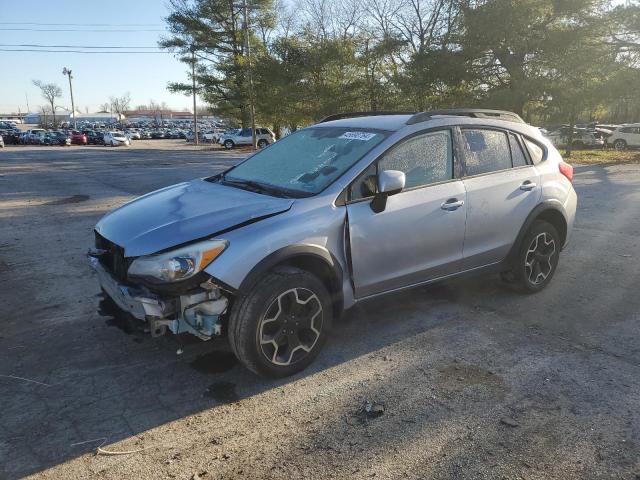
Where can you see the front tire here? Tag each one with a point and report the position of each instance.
(262, 143)
(620, 145)
(228, 144)
(536, 260)
(281, 325)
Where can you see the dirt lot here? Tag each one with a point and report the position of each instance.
(476, 381)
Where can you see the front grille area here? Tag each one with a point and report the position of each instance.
(114, 260)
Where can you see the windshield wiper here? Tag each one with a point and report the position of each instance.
(255, 186)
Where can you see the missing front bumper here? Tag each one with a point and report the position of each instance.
(199, 313)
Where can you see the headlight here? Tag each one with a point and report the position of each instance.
(178, 264)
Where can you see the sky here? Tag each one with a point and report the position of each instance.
(96, 76)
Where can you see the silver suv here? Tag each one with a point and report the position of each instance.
(273, 250)
(233, 138)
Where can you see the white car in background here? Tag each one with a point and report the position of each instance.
(116, 139)
(581, 138)
(625, 136)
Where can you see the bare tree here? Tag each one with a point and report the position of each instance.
(121, 104)
(156, 109)
(105, 107)
(49, 91)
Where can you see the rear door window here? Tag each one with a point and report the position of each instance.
(486, 151)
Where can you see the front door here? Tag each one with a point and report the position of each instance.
(420, 234)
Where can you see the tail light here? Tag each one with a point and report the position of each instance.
(566, 170)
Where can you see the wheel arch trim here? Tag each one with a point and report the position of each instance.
(541, 210)
(293, 255)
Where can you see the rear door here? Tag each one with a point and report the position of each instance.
(502, 187)
(419, 235)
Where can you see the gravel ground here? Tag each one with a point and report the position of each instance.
(476, 381)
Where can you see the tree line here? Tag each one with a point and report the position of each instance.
(551, 61)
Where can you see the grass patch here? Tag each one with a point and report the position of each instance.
(602, 157)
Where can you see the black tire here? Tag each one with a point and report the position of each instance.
(536, 260)
(250, 325)
(262, 143)
(228, 144)
(620, 145)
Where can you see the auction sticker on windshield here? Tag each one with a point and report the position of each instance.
(364, 136)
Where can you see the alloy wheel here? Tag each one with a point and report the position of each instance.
(538, 260)
(291, 326)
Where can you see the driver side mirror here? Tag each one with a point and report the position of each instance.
(390, 182)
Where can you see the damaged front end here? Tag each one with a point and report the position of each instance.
(197, 308)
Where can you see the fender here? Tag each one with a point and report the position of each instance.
(535, 213)
(293, 253)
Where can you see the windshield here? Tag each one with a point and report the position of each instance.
(306, 161)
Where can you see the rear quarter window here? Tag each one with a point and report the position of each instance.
(536, 152)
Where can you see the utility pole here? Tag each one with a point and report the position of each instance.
(67, 72)
(247, 48)
(193, 78)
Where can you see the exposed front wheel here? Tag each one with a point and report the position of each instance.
(279, 328)
(620, 145)
(537, 259)
(228, 144)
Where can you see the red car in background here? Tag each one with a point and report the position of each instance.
(78, 138)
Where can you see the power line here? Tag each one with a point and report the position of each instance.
(71, 51)
(86, 24)
(72, 30)
(68, 46)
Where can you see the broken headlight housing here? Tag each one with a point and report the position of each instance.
(179, 264)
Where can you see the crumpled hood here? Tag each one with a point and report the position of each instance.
(184, 212)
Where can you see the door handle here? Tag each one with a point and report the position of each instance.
(528, 186)
(452, 204)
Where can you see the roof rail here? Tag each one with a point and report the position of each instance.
(467, 112)
(340, 116)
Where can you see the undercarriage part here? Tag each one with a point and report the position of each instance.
(157, 328)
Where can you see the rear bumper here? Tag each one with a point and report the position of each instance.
(570, 207)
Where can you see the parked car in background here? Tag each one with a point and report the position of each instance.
(115, 139)
(273, 250)
(32, 136)
(94, 137)
(581, 138)
(57, 138)
(264, 137)
(625, 136)
(1, 142)
(213, 135)
(78, 138)
(10, 136)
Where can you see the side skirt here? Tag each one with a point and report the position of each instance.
(496, 267)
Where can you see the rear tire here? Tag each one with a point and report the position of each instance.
(280, 326)
(536, 260)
